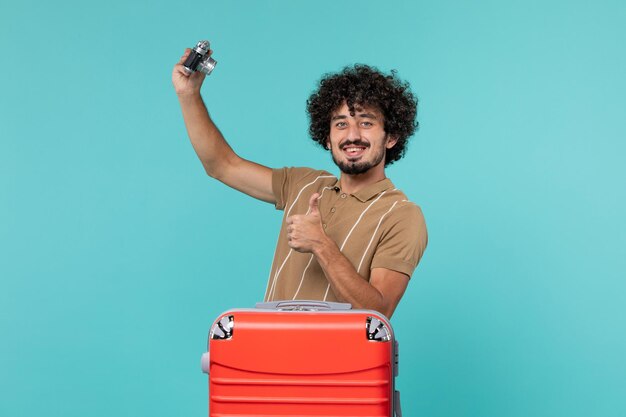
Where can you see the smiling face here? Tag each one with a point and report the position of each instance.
(358, 141)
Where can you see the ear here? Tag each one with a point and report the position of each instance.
(327, 143)
(391, 141)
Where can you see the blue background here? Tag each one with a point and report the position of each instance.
(117, 252)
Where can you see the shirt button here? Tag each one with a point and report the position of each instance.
(343, 195)
(324, 225)
(332, 210)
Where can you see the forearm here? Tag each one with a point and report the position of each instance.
(206, 139)
(345, 281)
(381, 292)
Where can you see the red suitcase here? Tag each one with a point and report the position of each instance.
(302, 358)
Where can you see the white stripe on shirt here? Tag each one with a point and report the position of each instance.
(353, 227)
(374, 234)
(272, 288)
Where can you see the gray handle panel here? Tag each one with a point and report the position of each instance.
(303, 305)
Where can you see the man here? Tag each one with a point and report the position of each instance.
(355, 239)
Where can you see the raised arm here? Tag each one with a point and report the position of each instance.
(217, 157)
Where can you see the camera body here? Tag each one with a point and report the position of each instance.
(199, 59)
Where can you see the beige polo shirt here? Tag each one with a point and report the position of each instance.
(376, 227)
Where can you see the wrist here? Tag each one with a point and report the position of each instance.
(324, 248)
(189, 96)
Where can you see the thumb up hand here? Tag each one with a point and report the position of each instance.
(304, 231)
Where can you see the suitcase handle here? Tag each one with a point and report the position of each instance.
(303, 305)
(205, 362)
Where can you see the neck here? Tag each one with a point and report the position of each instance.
(354, 183)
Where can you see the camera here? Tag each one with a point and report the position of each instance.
(199, 59)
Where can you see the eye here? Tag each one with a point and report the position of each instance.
(340, 124)
(367, 124)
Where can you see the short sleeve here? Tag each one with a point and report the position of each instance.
(286, 180)
(403, 240)
(280, 186)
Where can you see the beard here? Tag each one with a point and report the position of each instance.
(358, 167)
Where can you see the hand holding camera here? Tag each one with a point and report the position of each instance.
(192, 68)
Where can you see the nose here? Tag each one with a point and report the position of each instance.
(354, 132)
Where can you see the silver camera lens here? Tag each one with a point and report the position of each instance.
(207, 65)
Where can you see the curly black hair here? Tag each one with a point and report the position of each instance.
(362, 85)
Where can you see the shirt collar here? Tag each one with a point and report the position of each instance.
(371, 190)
